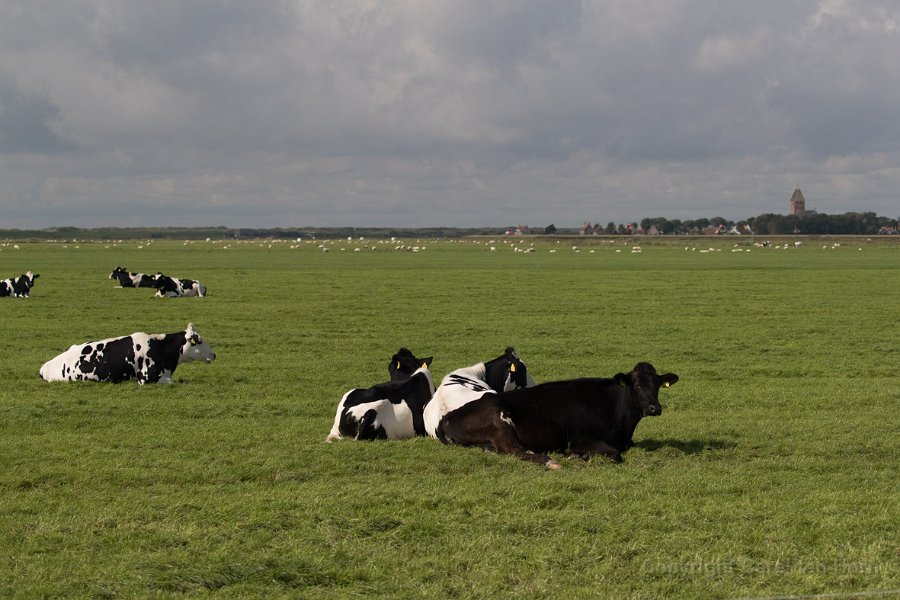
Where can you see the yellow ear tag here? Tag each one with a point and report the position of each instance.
(512, 367)
(398, 364)
(666, 384)
(424, 365)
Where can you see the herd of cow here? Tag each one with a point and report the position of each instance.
(166, 287)
(147, 358)
(496, 405)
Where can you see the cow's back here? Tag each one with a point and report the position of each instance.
(457, 389)
(549, 416)
(104, 360)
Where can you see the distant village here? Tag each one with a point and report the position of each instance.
(799, 220)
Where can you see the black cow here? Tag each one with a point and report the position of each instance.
(18, 287)
(579, 417)
(132, 280)
(390, 410)
(404, 364)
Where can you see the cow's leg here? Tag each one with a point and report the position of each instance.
(587, 448)
(368, 429)
(507, 442)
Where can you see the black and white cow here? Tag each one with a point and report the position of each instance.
(390, 410)
(404, 364)
(172, 287)
(148, 358)
(504, 373)
(579, 417)
(132, 280)
(18, 287)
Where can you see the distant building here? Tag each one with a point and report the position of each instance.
(797, 205)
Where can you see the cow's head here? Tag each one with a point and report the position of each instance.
(195, 348)
(404, 364)
(644, 384)
(506, 372)
(116, 271)
(518, 372)
(24, 282)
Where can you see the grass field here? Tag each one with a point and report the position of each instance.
(774, 469)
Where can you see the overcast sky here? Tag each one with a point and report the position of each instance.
(288, 113)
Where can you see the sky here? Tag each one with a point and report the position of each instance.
(454, 113)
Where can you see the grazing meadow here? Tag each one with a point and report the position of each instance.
(774, 469)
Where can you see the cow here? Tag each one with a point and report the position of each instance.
(404, 364)
(18, 287)
(148, 358)
(580, 417)
(504, 373)
(132, 280)
(390, 410)
(171, 287)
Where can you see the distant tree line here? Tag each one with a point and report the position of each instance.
(851, 223)
(867, 223)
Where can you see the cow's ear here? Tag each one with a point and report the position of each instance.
(622, 379)
(668, 379)
(426, 362)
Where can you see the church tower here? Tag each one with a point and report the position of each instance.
(798, 203)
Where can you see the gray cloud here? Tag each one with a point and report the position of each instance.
(443, 113)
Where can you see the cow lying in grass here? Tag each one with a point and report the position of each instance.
(18, 287)
(390, 410)
(579, 417)
(504, 373)
(127, 279)
(144, 357)
(172, 287)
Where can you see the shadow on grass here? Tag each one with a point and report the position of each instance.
(685, 446)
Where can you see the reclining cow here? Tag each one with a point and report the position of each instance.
(172, 287)
(504, 373)
(146, 358)
(390, 410)
(132, 280)
(579, 417)
(18, 287)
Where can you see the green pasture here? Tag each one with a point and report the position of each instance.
(773, 471)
